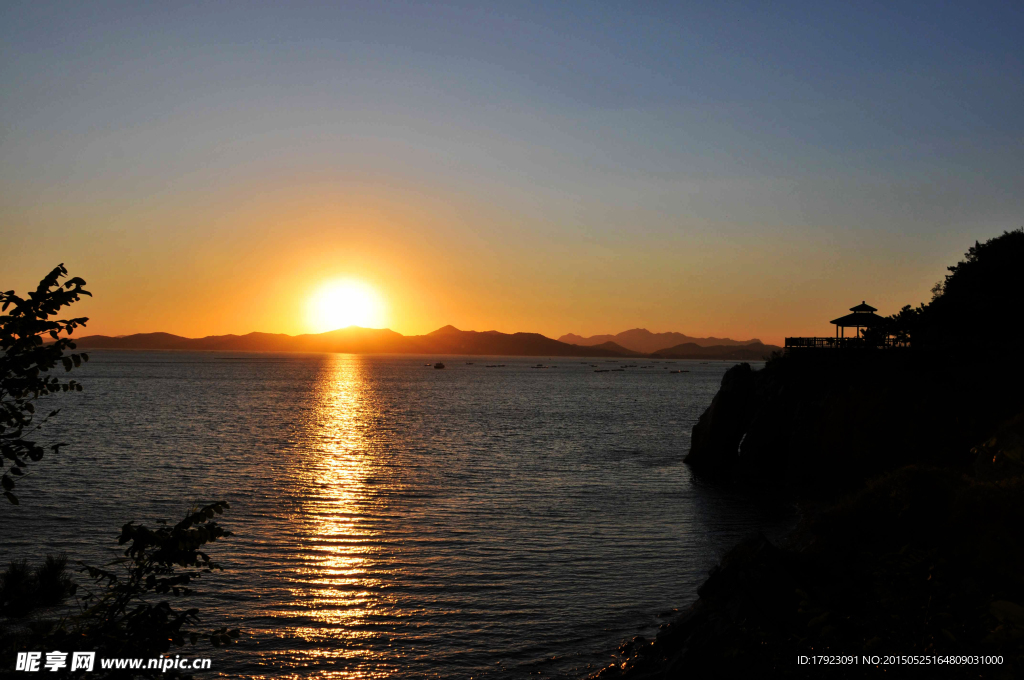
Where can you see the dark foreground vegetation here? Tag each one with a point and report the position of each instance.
(118, 610)
(908, 464)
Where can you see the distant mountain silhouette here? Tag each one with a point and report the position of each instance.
(754, 351)
(356, 340)
(446, 340)
(646, 342)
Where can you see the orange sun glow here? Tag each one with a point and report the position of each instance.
(340, 304)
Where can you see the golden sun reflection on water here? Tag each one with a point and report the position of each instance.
(338, 582)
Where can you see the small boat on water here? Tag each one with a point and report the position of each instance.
(438, 365)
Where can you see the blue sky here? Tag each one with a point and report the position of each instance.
(712, 160)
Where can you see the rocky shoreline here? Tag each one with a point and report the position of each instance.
(910, 476)
(907, 461)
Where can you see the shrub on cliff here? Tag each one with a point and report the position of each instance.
(978, 304)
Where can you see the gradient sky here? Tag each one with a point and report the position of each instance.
(730, 169)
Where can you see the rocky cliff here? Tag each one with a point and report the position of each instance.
(824, 422)
(922, 561)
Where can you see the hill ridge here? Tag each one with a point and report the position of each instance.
(646, 342)
(445, 340)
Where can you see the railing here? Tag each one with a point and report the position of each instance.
(840, 343)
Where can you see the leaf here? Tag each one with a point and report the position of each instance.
(7, 482)
(11, 497)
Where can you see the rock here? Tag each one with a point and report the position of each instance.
(716, 436)
(1002, 455)
(822, 424)
(633, 646)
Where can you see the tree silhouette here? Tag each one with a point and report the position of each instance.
(25, 364)
(978, 304)
(975, 308)
(126, 612)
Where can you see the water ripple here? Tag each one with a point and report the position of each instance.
(394, 521)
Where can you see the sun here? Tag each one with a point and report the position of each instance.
(340, 304)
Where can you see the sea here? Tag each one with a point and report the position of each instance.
(502, 517)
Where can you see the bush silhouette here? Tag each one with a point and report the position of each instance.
(126, 612)
(977, 307)
(25, 365)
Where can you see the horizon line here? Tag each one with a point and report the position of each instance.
(752, 340)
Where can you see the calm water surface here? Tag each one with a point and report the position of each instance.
(395, 521)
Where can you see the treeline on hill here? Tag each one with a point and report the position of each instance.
(978, 307)
(119, 610)
(909, 468)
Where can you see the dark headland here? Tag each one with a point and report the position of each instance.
(446, 340)
(906, 457)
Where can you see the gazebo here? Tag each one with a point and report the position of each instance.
(863, 316)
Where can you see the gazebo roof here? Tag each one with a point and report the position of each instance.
(863, 307)
(861, 319)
